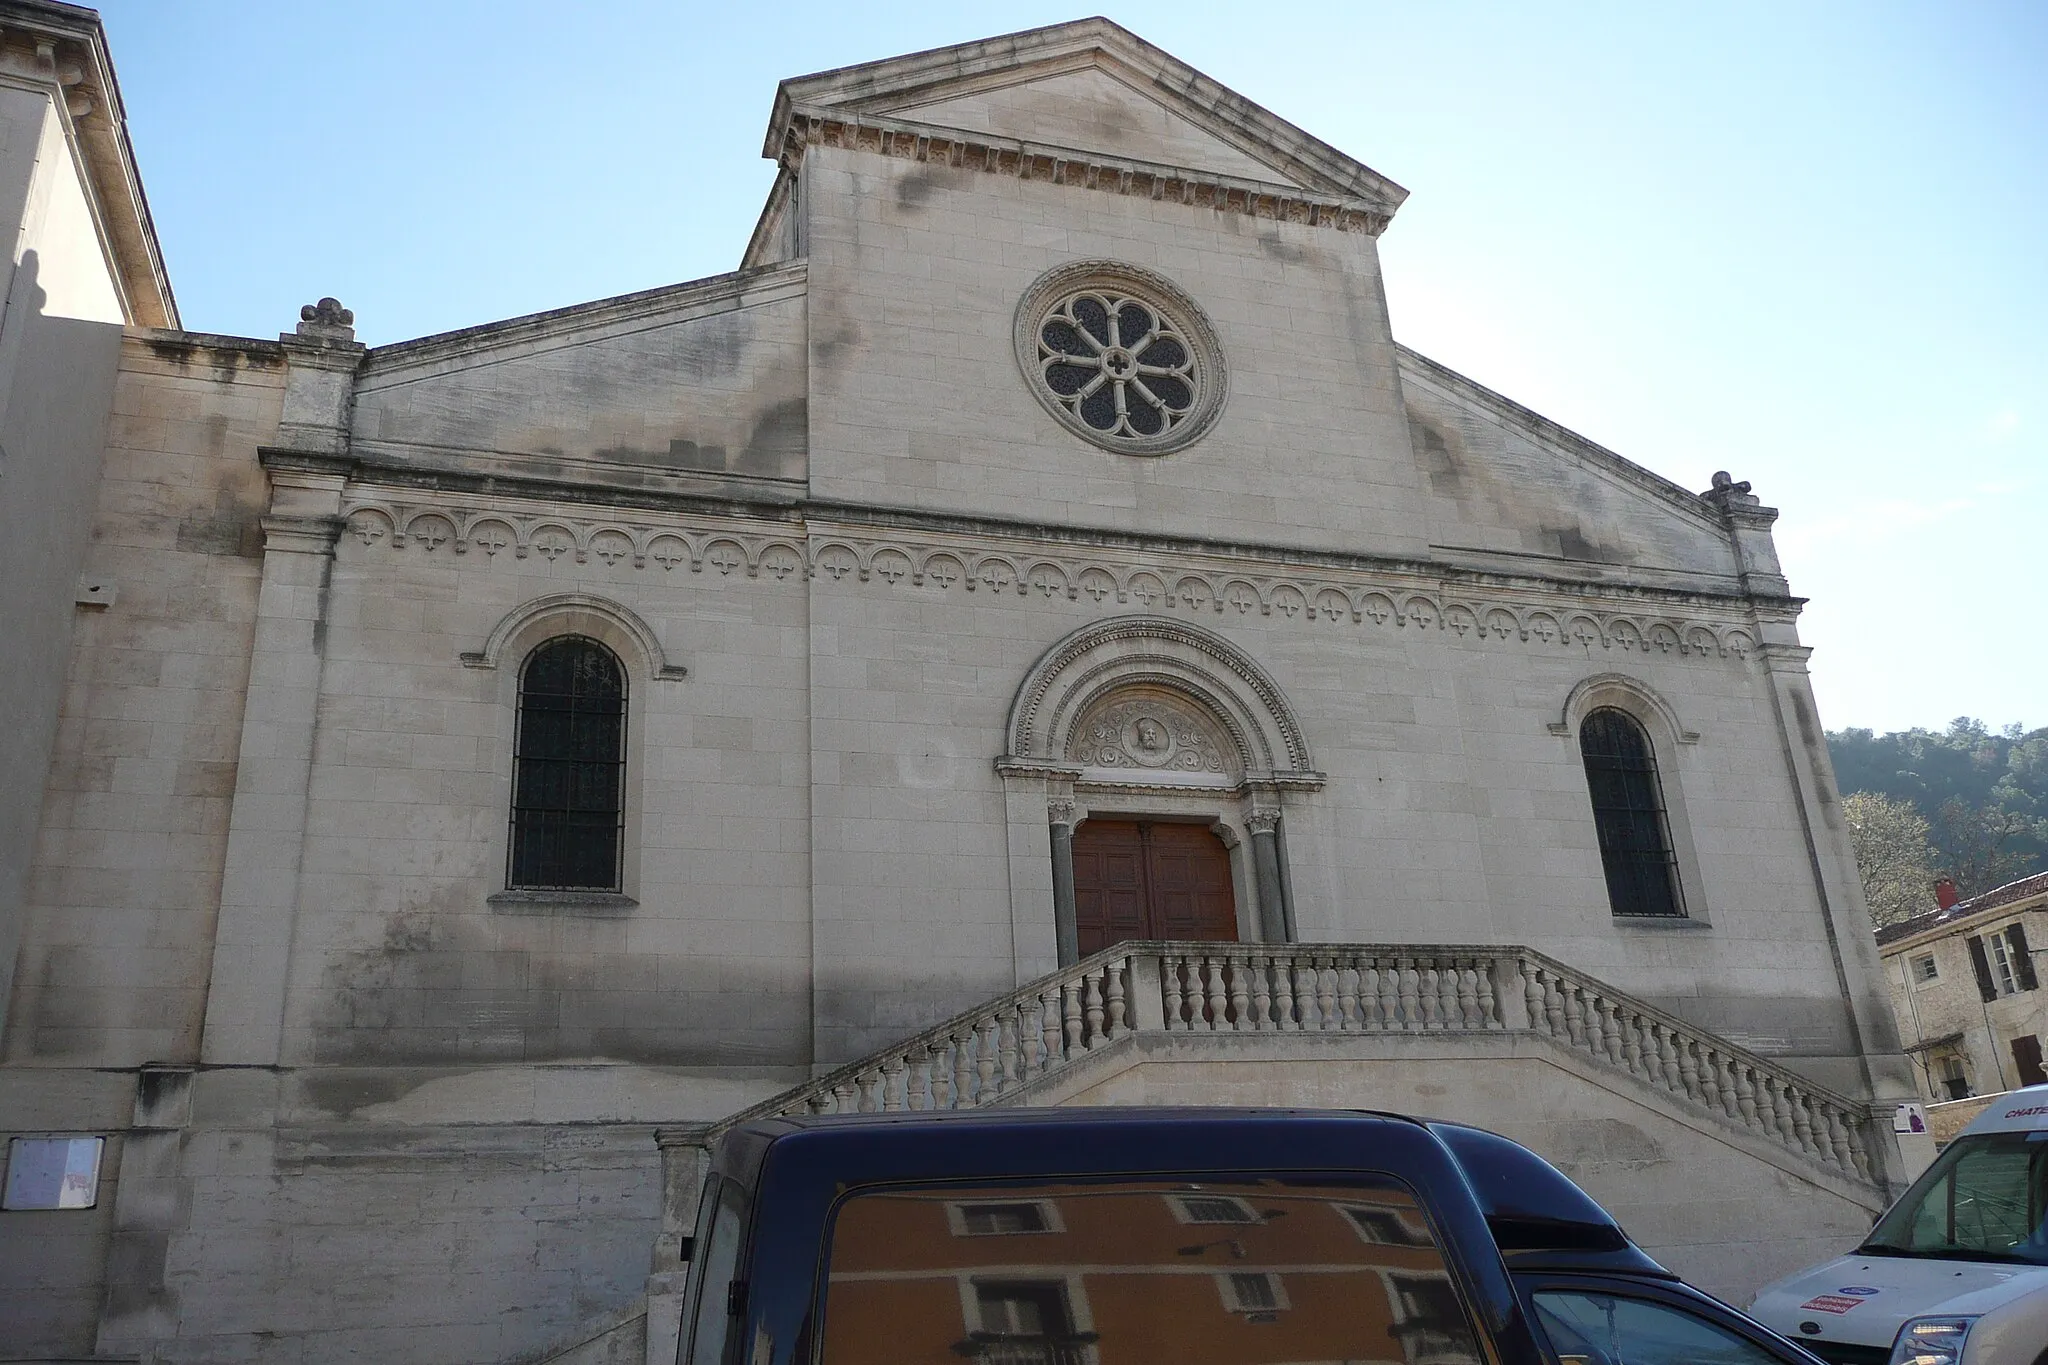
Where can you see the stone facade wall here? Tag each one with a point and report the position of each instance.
(117, 951)
(916, 273)
(59, 345)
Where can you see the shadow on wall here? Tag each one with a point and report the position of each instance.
(57, 379)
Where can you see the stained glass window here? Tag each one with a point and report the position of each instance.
(1120, 356)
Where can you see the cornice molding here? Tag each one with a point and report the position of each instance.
(1538, 614)
(806, 127)
(63, 49)
(918, 79)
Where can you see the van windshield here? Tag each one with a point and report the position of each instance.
(1983, 1199)
(1208, 1272)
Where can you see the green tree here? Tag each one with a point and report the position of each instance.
(1893, 855)
(1981, 846)
(1984, 793)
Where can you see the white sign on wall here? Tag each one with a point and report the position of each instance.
(53, 1173)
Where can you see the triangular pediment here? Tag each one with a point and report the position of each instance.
(1092, 87)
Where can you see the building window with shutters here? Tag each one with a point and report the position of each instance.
(1950, 1081)
(2003, 962)
(1629, 814)
(1924, 969)
(569, 765)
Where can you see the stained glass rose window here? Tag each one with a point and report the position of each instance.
(1120, 356)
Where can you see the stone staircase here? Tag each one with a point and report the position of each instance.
(1428, 1008)
(1012, 1049)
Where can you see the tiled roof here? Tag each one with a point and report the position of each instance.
(1988, 900)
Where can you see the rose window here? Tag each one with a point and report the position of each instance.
(1117, 365)
(1120, 358)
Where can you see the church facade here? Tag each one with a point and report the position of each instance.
(466, 757)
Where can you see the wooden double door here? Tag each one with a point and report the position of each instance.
(1140, 879)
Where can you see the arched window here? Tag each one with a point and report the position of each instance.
(569, 761)
(1628, 810)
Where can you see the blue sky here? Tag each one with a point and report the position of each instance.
(1807, 243)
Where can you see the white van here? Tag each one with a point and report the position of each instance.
(1954, 1273)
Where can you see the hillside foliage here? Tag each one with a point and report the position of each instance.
(1967, 803)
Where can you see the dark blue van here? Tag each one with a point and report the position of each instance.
(1173, 1237)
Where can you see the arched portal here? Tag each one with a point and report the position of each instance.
(1179, 751)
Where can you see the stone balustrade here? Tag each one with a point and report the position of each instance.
(998, 1051)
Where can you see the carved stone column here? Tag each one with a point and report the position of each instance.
(1276, 916)
(1065, 924)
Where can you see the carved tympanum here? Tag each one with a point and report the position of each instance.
(1150, 730)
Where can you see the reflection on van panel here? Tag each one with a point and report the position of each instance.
(1134, 1272)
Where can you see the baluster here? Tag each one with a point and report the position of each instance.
(1854, 1126)
(1770, 1104)
(1240, 995)
(1091, 1008)
(1766, 1101)
(963, 1069)
(1533, 999)
(1838, 1139)
(1049, 1033)
(1631, 1043)
(891, 1085)
(1612, 1028)
(1408, 1004)
(1169, 976)
(1451, 1005)
(1470, 995)
(918, 1089)
(1008, 1047)
(1802, 1124)
(820, 1102)
(1428, 999)
(1370, 1016)
(984, 1061)
(1262, 994)
(1745, 1095)
(1554, 1009)
(1070, 1016)
(1589, 1020)
(1351, 1015)
(1219, 1002)
(1305, 978)
(1387, 995)
(1327, 1017)
(1031, 1059)
(1731, 1085)
(1698, 1079)
(1859, 1150)
(896, 1082)
(1574, 1014)
(1783, 1102)
(1117, 1027)
(1668, 1074)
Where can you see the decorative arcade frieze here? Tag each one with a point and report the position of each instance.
(1536, 615)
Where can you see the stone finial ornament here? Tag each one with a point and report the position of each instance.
(1727, 492)
(328, 321)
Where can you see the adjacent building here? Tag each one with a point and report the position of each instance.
(1967, 992)
(1030, 634)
